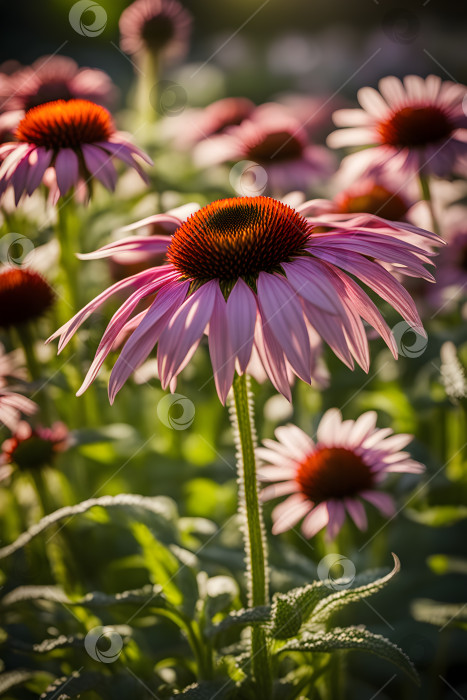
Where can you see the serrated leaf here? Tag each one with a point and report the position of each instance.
(339, 599)
(48, 645)
(72, 686)
(155, 506)
(353, 638)
(438, 516)
(440, 614)
(95, 599)
(290, 610)
(240, 618)
(206, 690)
(11, 679)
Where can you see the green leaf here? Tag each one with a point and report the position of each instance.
(290, 610)
(140, 596)
(48, 645)
(442, 564)
(353, 638)
(362, 587)
(72, 686)
(240, 618)
(206, 690)
(440, 614)
(438, 516)
(221, 591)
(11, 679)
(158, 508)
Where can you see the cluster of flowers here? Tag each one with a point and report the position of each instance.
(266, 282)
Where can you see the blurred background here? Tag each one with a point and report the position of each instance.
(262, 47)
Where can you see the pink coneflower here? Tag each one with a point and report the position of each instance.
(24, 296)
(53, 78)
(251, 271)
(12, 404)
(418, 126)
(77, 138)
(157, 26)
(277, 143)
(325, 479)
(33, 448)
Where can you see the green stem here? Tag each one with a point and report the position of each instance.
(66, 224)
(26, 338)
(426, 194)
(254, 533)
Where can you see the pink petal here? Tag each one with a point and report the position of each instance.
(241, 318)
(309, 279)
(380, 500)
(316, 520)
(356, 511)
(220, 346)
(146, 335)
(289, 512)
(336, 513)
(66, 169)
(284, 488)
(272, 358)
(100, 165)
(132, 244)
(182, 335)
(282, 312)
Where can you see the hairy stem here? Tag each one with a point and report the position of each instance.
(426, 194)
(253, 529)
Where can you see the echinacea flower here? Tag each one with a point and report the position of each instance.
(34, 448)
(53, 78)
(24, 296)
(12, 404)
(418, 126)
(372, 196)
(157, 26)
(76, 138)
(252, 272)
(333, 476)
(276, 142)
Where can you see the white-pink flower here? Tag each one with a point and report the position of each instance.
(332, 477)
(76, 138)
(415, 126)
(254, 274)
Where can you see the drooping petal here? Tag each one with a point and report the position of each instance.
(181, 337)
(66, 169)
(315, 520)
(241, 318)
(220, 346)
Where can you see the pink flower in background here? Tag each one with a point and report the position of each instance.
(53, 78)
(415, 126)
(12, 404)
(33, 448)
(276, 142)
(252, 272)
(327, 479)
(77, 139)
(158, 26)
